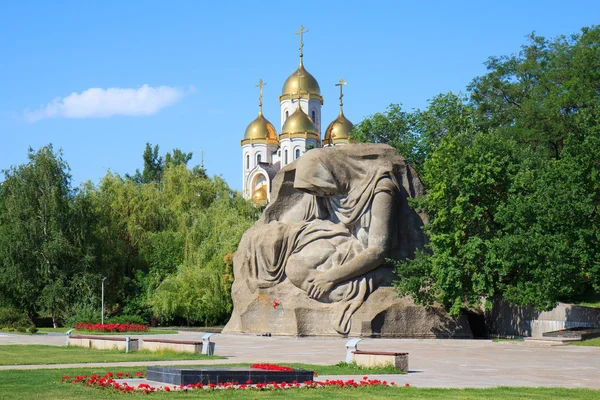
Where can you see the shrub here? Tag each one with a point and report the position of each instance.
(33, 329)
(85, 313)
(21, 329)
(11, 317)
(127, 319)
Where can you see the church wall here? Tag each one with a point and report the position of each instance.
(315, 105)
(295, 148)
(252, 151)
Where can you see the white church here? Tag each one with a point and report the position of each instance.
(265, 152)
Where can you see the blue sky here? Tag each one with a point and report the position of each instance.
(200, 62)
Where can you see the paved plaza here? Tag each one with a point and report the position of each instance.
(443, 363)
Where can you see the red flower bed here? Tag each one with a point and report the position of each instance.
(91, 327)
(272, 367)
(108, 381)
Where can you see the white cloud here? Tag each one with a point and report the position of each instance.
(102, 103)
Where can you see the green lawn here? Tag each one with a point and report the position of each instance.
(194, 327)
(514, 340)
(151, 331)
(587, 300)
(590, 342)
(45, 384)
(19, 354)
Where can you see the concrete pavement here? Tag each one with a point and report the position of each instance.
(433, 362)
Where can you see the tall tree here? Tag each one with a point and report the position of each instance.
(537, 95)
(176, 158)
(513, 201)
(153, 167)
(38, 235)
(416, 134)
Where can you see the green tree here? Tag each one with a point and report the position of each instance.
(177, 158)
(392, 127)
(213, 219)
(40, 234)
(153, 167)
(416, 134)
(537, 95)
(513, 199)
(468, 178)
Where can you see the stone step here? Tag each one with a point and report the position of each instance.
(550, 341)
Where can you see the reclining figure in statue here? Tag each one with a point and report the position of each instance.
(331, 242)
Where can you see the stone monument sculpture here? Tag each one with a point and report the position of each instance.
(316, 261)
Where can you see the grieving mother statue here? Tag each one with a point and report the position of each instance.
(330, 233)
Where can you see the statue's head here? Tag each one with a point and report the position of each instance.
(313, 175)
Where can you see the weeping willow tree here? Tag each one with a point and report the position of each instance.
(211, 220)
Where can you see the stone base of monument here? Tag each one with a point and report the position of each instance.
(383, 314)
(215, 375)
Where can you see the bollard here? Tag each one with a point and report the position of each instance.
(127, 344)
(68, 336)
(208, 347)
(351, 345)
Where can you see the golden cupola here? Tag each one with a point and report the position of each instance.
(260, 195)
(260, 131)
(339, 130)
(299, 125)
(301, 81)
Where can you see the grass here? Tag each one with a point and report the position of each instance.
(37, 354)
(44, 384)
(151, 331)
(592, 304)
(587, 300)
(53, 330)
(513, 340)
(590, 342)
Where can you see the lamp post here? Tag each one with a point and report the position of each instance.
(103, 279)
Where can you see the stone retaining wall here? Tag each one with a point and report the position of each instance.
(506, 320)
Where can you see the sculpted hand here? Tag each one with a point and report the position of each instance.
(319, 286)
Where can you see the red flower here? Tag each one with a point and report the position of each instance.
(275, 304)
(272, 367)
(90, 327)
(406, 384)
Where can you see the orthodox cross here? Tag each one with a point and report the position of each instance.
(302, 31)
(341, 85)
(260, 85)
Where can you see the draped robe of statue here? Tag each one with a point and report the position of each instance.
(330, 230)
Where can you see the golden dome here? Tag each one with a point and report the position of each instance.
(260, 131)
(260, 195)
(298, 123)
(308, 88)
(338, 130)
